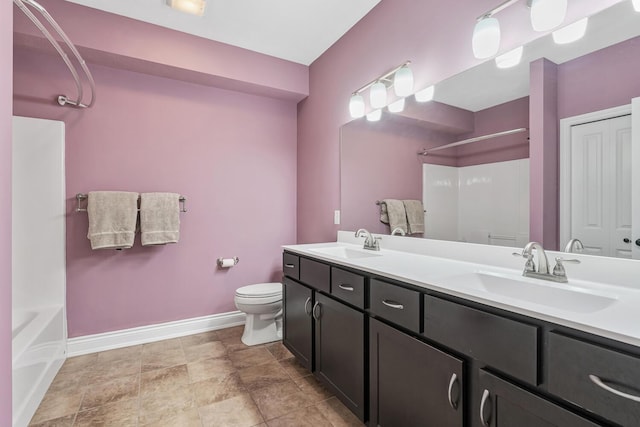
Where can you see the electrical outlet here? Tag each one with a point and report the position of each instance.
(336, 217)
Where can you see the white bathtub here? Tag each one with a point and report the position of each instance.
(38, 351)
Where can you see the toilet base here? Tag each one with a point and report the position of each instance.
(261, 329)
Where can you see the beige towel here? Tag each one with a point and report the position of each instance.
(384, 215)
(415, 216)
(159, 218)
(112, 219)
(397, 214)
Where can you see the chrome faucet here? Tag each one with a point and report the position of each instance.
(574, 245)
(559, 274)
(371, 243)
(398, 230)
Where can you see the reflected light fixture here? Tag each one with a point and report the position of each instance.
(486, 37)
(547, 14)
(510, 59)
(636, 5)
(374, 116)
(397, 106)
(403, 81)
(194, 7)
(572, 32)
(378, 95)
(356, 106)
(426, 94)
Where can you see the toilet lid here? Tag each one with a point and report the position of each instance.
(260, 290)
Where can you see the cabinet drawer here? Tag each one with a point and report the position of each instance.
(347, 286)
(504, 344)
(291, 265)
(396, 304)
(315, 274)
(595, 378)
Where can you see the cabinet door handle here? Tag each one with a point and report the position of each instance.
(597, 381)
(346, 288)
(485, 396)
(393, 304)
(454, 380)
(290, 265)
(307, 306)
(316, 314)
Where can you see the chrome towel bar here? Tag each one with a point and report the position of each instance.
(81, 198)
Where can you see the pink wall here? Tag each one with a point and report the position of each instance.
(433, 35)
(6, 72)
(231, 154)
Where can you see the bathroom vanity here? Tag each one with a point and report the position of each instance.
(408, 339)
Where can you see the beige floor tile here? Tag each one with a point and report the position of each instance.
(78, 363)
(205, 350)
(250, 357)
(117, 414)
(70, 381)
(58, 422)
(314, 390)
(163, 379)
(306, 417)
(273, 405)
(125, 353)
(216, 389)
(278, 350)
(125, 388)
(210, 368)
(152, 360)
(239, 411)
(338, 414)
(233, 343)
(160, 403)
(58, 404)
(113, 368)
(161, 346)
(294, 368)
(261, 376)
(235, 331)
(191, 340)
(184, 418)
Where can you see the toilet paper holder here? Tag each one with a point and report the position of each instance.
(222, 264)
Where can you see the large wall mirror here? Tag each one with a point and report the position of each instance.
(478, 191)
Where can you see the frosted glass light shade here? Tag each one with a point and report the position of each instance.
(397, 106)
(374, 116)
(426, 94)
(636, 5)
(194, 7)
(547, 14)
(486, 38)
(571, 33)
(356, 106)
(510, 59)
(403, 82)
(378, 95)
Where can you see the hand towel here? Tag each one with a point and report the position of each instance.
(384, 215)
(159, 218)
(112, 219)
(397, 214)
(415, 216)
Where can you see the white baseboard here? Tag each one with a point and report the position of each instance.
(145, 334)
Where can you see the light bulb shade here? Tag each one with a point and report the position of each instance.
(397, 106)
(636, 5)
(374, 116)
(194, 7)
(571, 33)
(547, 14)
(403, 82)
(486, 38)
(378, 95)
(426, 94)
(510, 59)
(356, 106)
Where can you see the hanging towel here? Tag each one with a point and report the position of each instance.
(112, 219)
(397, 214)
(384, 215)
(415, 216)
(159, 218)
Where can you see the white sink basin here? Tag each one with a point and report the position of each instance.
(562, 296)
(344, 252)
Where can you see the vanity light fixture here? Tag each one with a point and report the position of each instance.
(397, 106)
(547, 14)
(426, 94)
(356, 106)
(572, 32)
(510, 59)
(378, 95)
(400, 78)
(486, 37)
(374, 116)
(636, 5)
(403, 81)
(194, 7)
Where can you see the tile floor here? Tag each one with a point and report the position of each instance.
(209, 379)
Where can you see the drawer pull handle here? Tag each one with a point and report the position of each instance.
(393, 304)
(346, 288)
(307, 306)
(316, 311)
(290, 265)
(485, 421)
(454, 380)
(597, 381)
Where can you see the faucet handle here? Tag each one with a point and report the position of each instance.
(559, 270)
(529, 265)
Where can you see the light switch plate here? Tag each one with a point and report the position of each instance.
(336, 217)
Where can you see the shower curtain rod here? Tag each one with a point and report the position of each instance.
(425, 152)
(62, 99)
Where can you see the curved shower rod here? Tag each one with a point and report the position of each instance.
(62, 99)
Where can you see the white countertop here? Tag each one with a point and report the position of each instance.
(407, 262)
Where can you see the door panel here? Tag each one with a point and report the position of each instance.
(297, 323)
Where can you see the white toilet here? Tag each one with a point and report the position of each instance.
(263, 305)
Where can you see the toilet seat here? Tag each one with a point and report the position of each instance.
(261, 291)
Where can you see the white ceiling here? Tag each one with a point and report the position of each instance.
(295, 30)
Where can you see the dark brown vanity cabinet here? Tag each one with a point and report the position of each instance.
(297, 333)
(412, 383)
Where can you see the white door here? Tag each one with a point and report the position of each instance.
(601, 182)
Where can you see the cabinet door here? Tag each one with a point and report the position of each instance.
(339, 363)
(297, 322)
(503, 404)
(412, 383)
